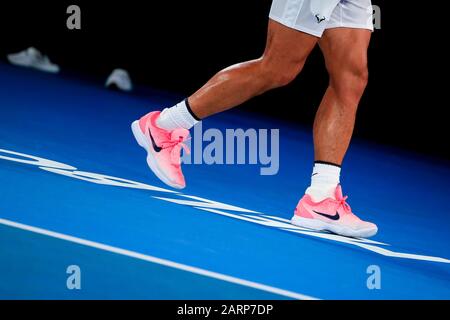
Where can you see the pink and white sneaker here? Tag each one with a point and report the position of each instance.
(163, 149)
(332, 215)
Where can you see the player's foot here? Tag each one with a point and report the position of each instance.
(333, 215)
(163, 149)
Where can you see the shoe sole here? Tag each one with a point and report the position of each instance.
(318, 225)
(151, 161)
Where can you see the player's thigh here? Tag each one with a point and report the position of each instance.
(286, 46)
(345, 50)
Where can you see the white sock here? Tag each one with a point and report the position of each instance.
(324, 180)
(178, 116)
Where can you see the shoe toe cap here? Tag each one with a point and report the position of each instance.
(178, 180)
(369, 229)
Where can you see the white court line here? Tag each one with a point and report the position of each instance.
(156, 260)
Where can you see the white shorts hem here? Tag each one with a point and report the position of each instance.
(348, 25)
(314, 33)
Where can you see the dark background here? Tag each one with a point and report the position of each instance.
(178, 45)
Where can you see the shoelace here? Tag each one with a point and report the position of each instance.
(342, 202)
(177, 145)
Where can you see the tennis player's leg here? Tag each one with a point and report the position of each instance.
(324, 207)
(162, 133)
(345, 50)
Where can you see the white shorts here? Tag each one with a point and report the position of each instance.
(314, 16)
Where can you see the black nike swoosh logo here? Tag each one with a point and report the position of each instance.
(155, 147)
(334, 217)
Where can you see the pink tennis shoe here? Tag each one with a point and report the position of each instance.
(333, 215)
(163, 149)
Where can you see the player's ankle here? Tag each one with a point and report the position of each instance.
(178, 116)
(324, 180)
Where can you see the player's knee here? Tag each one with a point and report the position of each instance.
(277, 75)
(361, 79)
(283, 78)
(350, 84)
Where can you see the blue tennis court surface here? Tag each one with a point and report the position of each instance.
(75, 190)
